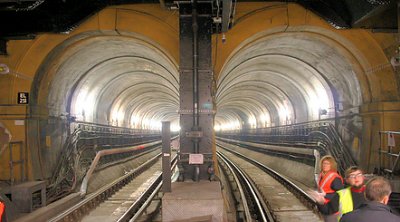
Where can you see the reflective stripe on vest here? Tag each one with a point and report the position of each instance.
(326, 181)
(345, 201)
(2, 209)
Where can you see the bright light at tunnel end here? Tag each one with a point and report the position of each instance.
(175, 128)
(235, 125)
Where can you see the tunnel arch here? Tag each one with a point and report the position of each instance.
(97, 71)
(103, 73)
(301, 76)
(365, 52)
(346, 63)
(336, 62)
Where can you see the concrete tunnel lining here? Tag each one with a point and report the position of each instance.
(109, 72)
(270, 95)
(304, 65)
(290, 62)
(349, 62)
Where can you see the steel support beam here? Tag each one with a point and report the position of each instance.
(226, 15)
(196, 77)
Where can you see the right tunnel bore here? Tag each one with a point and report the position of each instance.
(307, 74)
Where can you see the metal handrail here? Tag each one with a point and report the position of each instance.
(316, 132)
(102, 153)
(86, 135)
(89, 201)
(102, 128)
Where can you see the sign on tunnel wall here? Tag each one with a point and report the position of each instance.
(23, 98)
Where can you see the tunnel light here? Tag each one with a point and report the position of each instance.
(134, 121)
(175, 128)
(145, 123)
(151, 124)
(225, 126)
(155, 124)
(319, 102)
(283, 113)
(252, 121)
(263, 118)
(83, 108)
(4, 69)
(117, 117)
(236, 124)
(120, 116)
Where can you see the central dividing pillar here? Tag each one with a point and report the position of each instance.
(194, 201)
(196, 102)
(195, 197)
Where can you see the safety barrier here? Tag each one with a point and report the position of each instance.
(81, 146)
(321, 135)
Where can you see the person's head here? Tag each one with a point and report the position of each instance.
(328, 163)
(354, 177)
(378, 189)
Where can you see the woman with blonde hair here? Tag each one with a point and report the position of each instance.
(329, 181)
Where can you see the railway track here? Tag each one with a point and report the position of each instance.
(123, 200)
(252, 205)
(284, 200)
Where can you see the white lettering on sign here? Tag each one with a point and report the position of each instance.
(23, 98)
(196, 158)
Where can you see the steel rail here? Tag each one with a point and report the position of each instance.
(140, 205)
(90, 201)
(303, 155)
(261, 208)
(296, 190)
(240, 188)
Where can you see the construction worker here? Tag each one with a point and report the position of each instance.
(377, 193)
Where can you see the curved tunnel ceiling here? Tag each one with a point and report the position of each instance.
(115, 80)
(275, 80)
(270, 80)
(285, 78)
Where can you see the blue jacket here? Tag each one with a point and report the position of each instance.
(371, 212)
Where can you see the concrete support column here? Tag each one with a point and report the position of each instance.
(166, 157)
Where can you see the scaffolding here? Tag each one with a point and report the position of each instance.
(388, 152)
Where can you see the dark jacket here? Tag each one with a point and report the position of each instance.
(333, 205)
(371, 212)
(336, 184)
